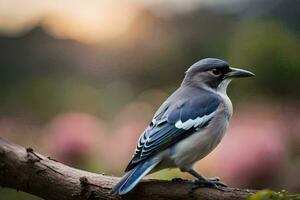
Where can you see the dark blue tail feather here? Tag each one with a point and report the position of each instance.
(131, 178)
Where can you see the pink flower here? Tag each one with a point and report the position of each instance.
(253, 151)
(72, 136)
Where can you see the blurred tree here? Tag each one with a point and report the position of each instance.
(272, 52)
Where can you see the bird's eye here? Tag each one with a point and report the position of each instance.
(216, 72)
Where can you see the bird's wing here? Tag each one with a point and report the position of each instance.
(173, 123)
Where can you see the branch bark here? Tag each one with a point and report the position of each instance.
(25, 170)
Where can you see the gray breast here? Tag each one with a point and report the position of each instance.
(186, 152)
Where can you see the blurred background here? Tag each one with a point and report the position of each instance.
(80, 80)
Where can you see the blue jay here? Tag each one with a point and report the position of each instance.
(187, 126)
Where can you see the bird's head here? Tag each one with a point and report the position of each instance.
(213, 73)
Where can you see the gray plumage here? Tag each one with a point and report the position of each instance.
(187, 126)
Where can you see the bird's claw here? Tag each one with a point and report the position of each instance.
(212, 182)
(214, 179)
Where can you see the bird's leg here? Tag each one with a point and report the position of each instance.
(206, 182)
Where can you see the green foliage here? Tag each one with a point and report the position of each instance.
(270, 50)
(271, 195)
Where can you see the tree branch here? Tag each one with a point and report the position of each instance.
(23, 169)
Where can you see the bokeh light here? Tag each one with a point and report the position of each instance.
(80, 80)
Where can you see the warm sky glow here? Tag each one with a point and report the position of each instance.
(91, 24)
(86, 21)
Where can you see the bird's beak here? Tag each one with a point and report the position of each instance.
(238, 73)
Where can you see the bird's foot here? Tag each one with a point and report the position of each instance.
(214, 179)
(211, 182)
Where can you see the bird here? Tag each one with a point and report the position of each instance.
(187, 126)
